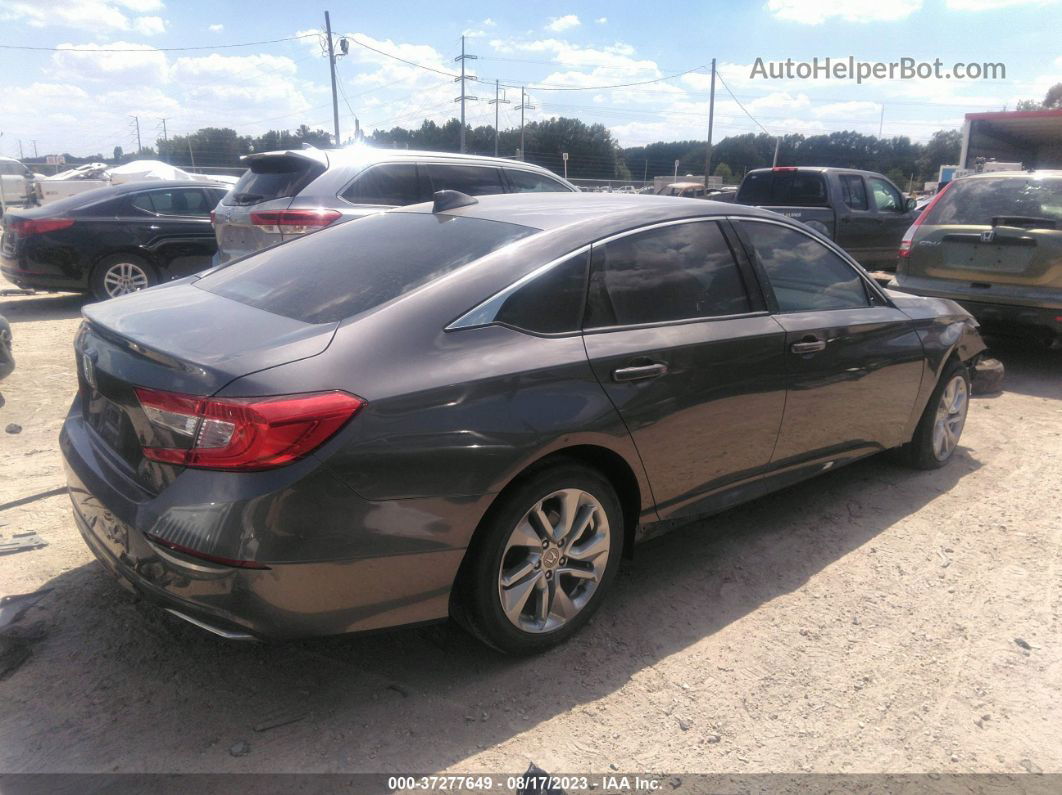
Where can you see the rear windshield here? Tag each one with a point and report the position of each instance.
(792, 188)
(274, 178)
(1021, 201)
(337, 273)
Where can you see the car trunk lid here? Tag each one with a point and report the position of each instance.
(176, 339)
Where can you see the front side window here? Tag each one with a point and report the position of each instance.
(854, 192)
(670, 273)
(471, 180)
(886, 197)
(391, 184)
(805, 275)
(530, 182)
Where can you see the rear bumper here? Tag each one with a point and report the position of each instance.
(284, 601)
(1002, 313)
(23, 273)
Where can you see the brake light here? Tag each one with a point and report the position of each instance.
(293, 222)
(908, 237)
(27, 227)
(245, 434)
(784, 168)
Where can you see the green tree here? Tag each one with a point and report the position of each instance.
(724, 171)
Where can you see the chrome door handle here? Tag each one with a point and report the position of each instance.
(639, 373)
(809, 346)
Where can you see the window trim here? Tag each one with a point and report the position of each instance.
(868, 283)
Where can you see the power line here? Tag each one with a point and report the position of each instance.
(744, 110)
(156, 49)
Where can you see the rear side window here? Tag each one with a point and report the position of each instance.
(393, 184)
(1026, 200)
(793, 188)
(473, 180)
(804, 274)
(530, 182)
(552, 302)
(671, 273)
(343, 271)
(274, 178)
(854, 192)
(176, 201)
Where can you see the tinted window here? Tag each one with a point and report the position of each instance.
(176, 201)
(530, 182)
(886, 197)
(552, 302)
(853, 191)
(671, 273)
(978, 201)
(473, 180)
(349, 269)
(804, 274)
(389, 183)
(803, 189)
(274, 178)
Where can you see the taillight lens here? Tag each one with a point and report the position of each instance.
(293, 222)
(908, 237)
(27, 227)
(245, 434)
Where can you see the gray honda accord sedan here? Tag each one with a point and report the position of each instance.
(474, 408)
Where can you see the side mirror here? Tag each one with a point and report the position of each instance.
(910, 204)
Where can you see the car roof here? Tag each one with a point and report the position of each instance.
(360, 154)
(816, 169)
(604, 211)
(1047, 172)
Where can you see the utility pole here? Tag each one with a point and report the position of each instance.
(645, 172)
(20, 155)
(711, 123)
(35, 149)
(777, 141)
(190, 155)
(462, 58)
(881, 124)
(164, 138)
(139, 146)
(523, 106)
(495, 102)
(332, 72)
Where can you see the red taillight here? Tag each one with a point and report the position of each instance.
(784, 168)
(293, 222)
(908, 236)
(245, 434)
(27, 227)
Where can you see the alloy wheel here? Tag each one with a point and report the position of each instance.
(950, 417)
(123, 278)
(554, 560)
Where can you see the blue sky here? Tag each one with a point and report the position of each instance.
(80, 101)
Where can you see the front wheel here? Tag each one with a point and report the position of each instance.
(937, 436)
(543, 561)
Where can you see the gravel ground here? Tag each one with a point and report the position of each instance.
(873, 620)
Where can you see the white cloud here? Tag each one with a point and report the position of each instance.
(85, 14)
(216, 28)
(992, 5)
(601, 20)
(815, 12)
(488, 23)
(149, 26)
(141, 64)
(558, 24)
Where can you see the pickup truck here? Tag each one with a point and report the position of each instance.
(863, 212)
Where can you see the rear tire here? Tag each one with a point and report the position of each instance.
(543, 561)
(937, 435)
(122, 274)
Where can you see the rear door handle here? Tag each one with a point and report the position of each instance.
(640, 373)
(808, 346)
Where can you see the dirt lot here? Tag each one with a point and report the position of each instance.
(866, 621)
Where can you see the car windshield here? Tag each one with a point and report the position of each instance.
(1024, 200)
(341, 272)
